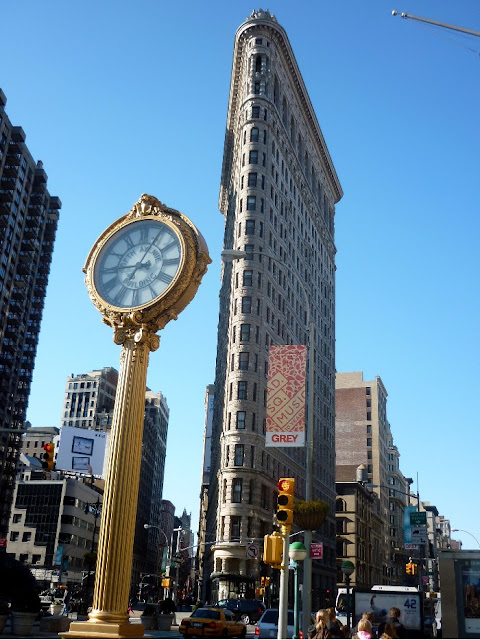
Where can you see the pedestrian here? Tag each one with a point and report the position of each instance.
(390, 631)
(320, 629)
(333, 624)
(393, 619)
(66, 602)
(364, 630)
(366, 615)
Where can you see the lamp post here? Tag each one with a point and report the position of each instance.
(95, 510)
(169, 546)
(297, 552)
(347, 568)
(229, 255)
(470, 534)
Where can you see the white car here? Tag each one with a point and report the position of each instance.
(267, 626)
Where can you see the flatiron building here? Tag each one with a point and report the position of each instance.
(278, 194)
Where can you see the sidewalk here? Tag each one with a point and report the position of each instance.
(134, 617)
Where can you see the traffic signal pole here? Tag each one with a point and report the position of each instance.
(283, 595)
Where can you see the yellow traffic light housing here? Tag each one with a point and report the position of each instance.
(414, 569)
(285, 501)
(48, 461)
(273, 549)
(409, 568)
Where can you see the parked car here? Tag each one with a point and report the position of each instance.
(267, 626)
(212, 622)
(248, 611)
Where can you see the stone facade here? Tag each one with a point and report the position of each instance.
(278, 195)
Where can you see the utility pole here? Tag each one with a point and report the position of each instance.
(437, 24)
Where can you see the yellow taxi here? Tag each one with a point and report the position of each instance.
(210, 622)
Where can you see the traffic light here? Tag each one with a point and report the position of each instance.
(414, 569)
(409, 568)
(48, 461)
(273, 549)
(262, 581)
(285, 500)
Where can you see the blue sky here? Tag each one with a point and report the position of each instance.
(120, 98)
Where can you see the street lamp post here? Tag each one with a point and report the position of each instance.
(347, 568)
(470, 534)
(297, 552)
(233, 254)
(95, 510)
(169, 546)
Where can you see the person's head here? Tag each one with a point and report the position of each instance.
(365, 625)
(391, 630)
(367, 615)
(394, 613)
(331, 614)
(321, 618)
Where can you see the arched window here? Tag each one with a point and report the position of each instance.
(340, 505)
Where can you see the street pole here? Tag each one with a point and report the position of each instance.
(307, 565)
(283, 595)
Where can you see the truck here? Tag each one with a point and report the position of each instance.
(379, 600)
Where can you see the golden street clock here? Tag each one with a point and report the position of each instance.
(146, 267)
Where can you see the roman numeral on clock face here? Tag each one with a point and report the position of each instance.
(144, 234)
(164, 277)
(170, 261)
(120, 295)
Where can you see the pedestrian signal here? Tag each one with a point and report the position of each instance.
(285, 500)
(48, 461)
(273, 549)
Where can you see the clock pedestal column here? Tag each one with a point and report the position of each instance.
(109, 616)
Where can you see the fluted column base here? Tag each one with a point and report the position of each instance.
(91, 629)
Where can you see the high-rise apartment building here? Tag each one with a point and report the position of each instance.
(89, 399)
(278, 194)
(28, 224)
(363, 436)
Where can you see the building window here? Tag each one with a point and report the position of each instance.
(243, 360)
(237, 490)
(369, 442)
(255, 111)
(253, 156)
(235, 523)
(14, 536)
(368, 390)
(27, 536)
(246, 304)
(251, 204)
(250, 227)
(241, 417)
(264, 497)
(17, 517)
(249, 250)
(36, 559)
(239, 455)
(250, 492)
(369, 428)
(254, 134)
(244, 333)
(242, 390)
(369, 415)
(247, 278)
(252, 179)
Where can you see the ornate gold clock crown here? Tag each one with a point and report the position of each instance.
(167, 306)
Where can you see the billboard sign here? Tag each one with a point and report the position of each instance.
(82, 451)
(286, 396)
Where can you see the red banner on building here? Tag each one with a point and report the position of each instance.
(286, 396)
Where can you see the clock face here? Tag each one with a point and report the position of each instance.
(137, 264)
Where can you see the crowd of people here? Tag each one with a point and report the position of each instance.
(327, 626)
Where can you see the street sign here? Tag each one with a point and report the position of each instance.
(253, 551)
(410, 545)
(419, 535)
(418, 518)
(316, 550)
